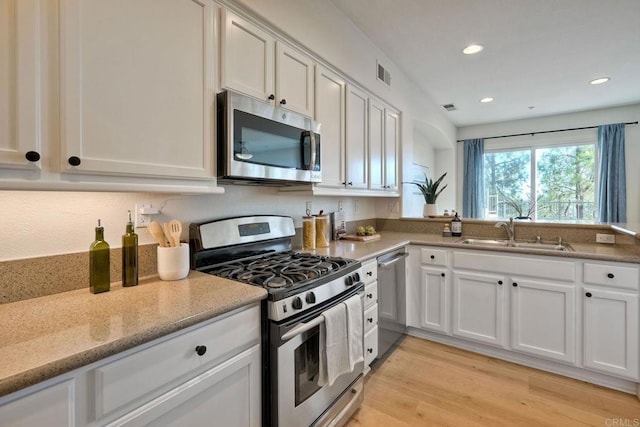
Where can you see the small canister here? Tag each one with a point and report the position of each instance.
(308, 232)
(322, 228)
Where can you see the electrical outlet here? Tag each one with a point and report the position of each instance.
(309, 207)
(143, 214)
(605, 238)
(340, 206)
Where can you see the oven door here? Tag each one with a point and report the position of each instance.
(299, 398)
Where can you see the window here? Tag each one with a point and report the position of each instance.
(554, 183)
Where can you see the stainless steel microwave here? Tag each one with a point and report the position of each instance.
(260, 143)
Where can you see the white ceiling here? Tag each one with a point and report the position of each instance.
(539, 53)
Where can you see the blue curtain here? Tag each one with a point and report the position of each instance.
(473, 179)
(612, 184)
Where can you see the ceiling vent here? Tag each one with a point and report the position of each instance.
(383, 75)
(449, 107)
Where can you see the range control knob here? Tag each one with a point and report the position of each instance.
(348, 281)
(310, 298)
(356, 277)
(296, 303)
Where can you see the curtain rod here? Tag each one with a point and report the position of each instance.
(546, 131)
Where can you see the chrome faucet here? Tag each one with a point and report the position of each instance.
(509, 227)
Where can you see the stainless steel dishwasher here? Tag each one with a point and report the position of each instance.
(391, 299)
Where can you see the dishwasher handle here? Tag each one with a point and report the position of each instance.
(393, 260)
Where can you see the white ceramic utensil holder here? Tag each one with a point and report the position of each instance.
(173, 262)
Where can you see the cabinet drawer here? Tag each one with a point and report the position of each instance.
(125, 380)
(611, 275)
(370, 346)
(370, 318)
(370, 294)
(433, 256)
(370, 271)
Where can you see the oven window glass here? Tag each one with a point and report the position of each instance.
(307, 366)
(265, 142)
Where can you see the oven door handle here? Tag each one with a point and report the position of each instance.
(302, 328)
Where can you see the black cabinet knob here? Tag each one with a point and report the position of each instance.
(610, 276)
(296, 303)
(369, 296)
(432, 257)
(370, 350)
(369, 273)
(515, 285)
(310, 298)
(32, 156)
(588, 295)
(271, 97)
(442, 274)
(74, 161)
(370, 319)
(283, 102)
(201, 350)
(499, 282)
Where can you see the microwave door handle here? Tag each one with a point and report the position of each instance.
(312, 142)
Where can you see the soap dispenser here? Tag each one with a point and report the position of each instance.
(129, 255)
(99, 276)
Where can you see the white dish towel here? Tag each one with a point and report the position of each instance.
(334, 351)
(354, 330)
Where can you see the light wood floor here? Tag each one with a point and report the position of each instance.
(423, 383)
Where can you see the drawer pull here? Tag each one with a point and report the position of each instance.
(370, 350)
(432, 257)
(74, 161)
(610, 276)
(201, 350)
(369, 273)
(32, 156)
(588, 294)
(499, 282)
(515, 285)
(370, 319)
(369, 296)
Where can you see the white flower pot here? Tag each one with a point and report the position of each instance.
(430, 210)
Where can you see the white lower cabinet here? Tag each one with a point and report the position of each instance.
(610, 329)
(208, 373)
(543, 318)
(51, 406)
(478, 307)
(434, 303)
(370, 346)
(371, 309)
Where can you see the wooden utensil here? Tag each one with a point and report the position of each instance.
(167, 234)
(175, 228)
(156, 231)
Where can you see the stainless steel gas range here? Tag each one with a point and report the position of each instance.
(257, 250)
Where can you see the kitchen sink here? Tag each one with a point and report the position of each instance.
(517, 244)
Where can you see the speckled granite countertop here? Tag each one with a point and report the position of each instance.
(45, 337)
(393, 240)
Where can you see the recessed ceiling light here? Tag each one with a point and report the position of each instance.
(472, 48)
(599, 81)
(485, 100)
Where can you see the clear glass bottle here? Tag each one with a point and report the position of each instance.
(456, 226)
(129, 256)
(99, 275)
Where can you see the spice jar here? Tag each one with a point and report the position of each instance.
(308, 232)
(321, 231)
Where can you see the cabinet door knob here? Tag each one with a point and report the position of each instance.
(370, 319)
(442, 274)
(499, 282)
(74, 161)
(369, 296)
(610, 276)
(201, 350)
(515, 285)
(271, 97)
(370, 350)
(32, 156)
(432, 257)
(369, 273)
(588, 294)
(350, 183)
(283, 102)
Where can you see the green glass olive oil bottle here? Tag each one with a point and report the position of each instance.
(129, 256)
(99, 279)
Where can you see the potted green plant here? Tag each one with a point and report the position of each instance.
(430, 190)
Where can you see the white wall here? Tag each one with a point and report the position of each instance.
(46, 223)
(629, 113)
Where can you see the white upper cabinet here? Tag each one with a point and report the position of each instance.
(391, 148)
(251, 64)
(137, 87)
(20, 89)
(330, 112)
(376, 144)
(357, 138)
(247, 58)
